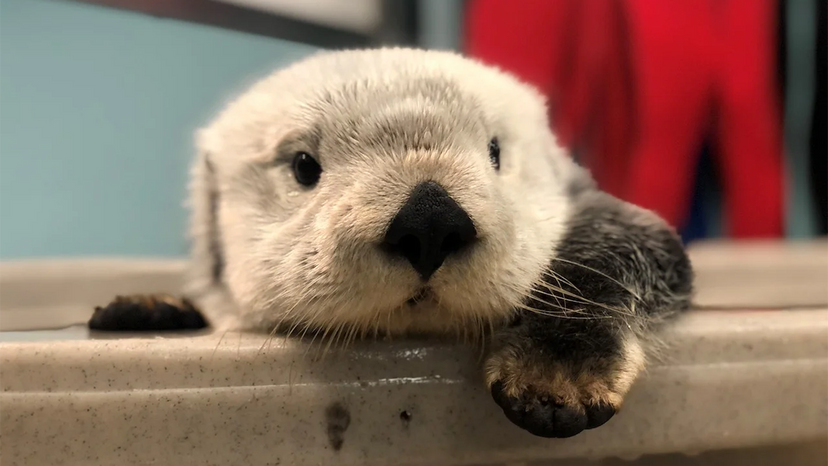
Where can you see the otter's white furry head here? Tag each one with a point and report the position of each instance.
(383, 126)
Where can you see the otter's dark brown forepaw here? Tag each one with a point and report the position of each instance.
(543, 416)
(147, 313)
(561, 398)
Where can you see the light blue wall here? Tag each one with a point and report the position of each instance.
(799, 107)
(441, 24)
(97, 111)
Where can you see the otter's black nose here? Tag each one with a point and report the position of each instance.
(428, 228)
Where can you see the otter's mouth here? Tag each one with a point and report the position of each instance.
(423, 294)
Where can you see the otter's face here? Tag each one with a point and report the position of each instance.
(387, 190)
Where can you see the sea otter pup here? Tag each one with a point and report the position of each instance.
(396, 191)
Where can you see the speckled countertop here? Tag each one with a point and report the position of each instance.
(730, 379)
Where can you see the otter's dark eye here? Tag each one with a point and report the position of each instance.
(306, 169)
(494, 153)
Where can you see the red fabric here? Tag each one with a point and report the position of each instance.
(636, 84)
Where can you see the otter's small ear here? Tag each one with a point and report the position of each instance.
(207, 251)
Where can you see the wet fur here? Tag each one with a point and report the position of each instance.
(574, 282)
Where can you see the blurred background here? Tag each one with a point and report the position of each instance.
(711, 112)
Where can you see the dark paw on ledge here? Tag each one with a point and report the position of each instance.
(545, 415)
(147, 313)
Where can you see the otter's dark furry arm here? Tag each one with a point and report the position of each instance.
(565, 363)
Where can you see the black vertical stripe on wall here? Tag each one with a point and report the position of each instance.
(213, 232)
(782, 49)
(819, 124)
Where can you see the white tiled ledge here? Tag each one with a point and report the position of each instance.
(730, 379)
